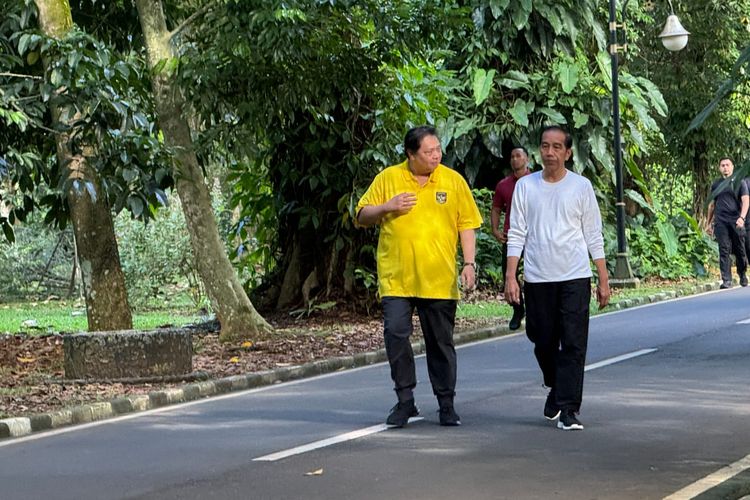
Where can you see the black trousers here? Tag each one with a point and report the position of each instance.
(437, 318)
(731, 240)
(557, 322)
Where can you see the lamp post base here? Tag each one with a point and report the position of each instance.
(623, 276)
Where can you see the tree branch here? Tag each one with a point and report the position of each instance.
(179, 29)
(21, 76)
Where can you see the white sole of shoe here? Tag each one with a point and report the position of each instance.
(574, 427)
(552, 419)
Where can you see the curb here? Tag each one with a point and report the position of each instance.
(21, 426)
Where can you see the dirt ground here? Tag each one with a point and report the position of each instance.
(31, 367)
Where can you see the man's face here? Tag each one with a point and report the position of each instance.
(726, 167)
(518, 160)
(554, 152)
(428, 157)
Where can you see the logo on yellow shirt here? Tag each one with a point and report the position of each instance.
(441, 197)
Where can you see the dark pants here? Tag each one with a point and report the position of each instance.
(731, 240)
(437, 318)
(557, 322)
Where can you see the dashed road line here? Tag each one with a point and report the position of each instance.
(711, 481)
(618, 359)
(367, 431)
(341, 438)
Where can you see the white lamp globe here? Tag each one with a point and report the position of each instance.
(674, 36)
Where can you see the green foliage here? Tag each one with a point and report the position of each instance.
(156, 258)
(101, 104)
(489, 251)
(665, 242)
(544, 62)
(38, 264)
(690, 79)
(307, 101)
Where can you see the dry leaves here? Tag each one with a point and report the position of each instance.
(31, 367)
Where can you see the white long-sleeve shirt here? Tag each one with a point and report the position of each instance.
(558, 224)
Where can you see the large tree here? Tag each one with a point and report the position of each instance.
(103, 281)
(233, 308)
(307, 99)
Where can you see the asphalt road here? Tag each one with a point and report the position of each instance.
(656, 424)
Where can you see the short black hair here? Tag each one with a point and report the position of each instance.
(568, 137)
(413, 139)
(522, 148)
(726, 158)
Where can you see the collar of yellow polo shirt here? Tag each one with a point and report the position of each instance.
(417, 251)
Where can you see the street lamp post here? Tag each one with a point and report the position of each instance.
(674, 37)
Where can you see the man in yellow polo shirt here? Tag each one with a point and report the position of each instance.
(423, 209)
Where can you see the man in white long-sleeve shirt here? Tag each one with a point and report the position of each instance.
(556, 219)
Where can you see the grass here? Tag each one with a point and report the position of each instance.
(65, 316)
(494, 309)
(62, 316)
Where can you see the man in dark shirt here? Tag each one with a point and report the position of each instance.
(726, 218)
(519, 165)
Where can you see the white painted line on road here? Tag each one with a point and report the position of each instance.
(617, 359)
(708, 482)
(381, 427)
(315, 445)
(744, 322)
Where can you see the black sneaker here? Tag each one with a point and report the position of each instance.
(725, 285)
(551, 410)
(449, 417)
(743, 280)
(401, 413)
(518, 314)
(569, 422)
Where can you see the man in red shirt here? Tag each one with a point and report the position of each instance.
(519, 164)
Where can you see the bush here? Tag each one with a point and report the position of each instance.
(156, 257)
(489, 251)
(38, 264)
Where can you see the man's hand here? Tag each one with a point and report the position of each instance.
(500, 236)
(401, 204)
(512, 290)
(710, 229)
(740, 222)
(602, 294)
(468, 277)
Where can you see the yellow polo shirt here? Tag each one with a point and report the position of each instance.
(417, 251)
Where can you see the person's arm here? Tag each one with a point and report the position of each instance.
(468, 240)
(710, 219)
(602, 288)
(497, 232)
(743, 210)
(512, 288)
(401, 204)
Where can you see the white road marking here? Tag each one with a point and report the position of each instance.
(380, 428)
(708, 482)
(744, 322)
(349, 436)
(617, 359)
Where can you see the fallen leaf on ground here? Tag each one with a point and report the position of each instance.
(318, 472)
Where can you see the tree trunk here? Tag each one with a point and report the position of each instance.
(98, 256)
(701, 183)
(235, 312)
